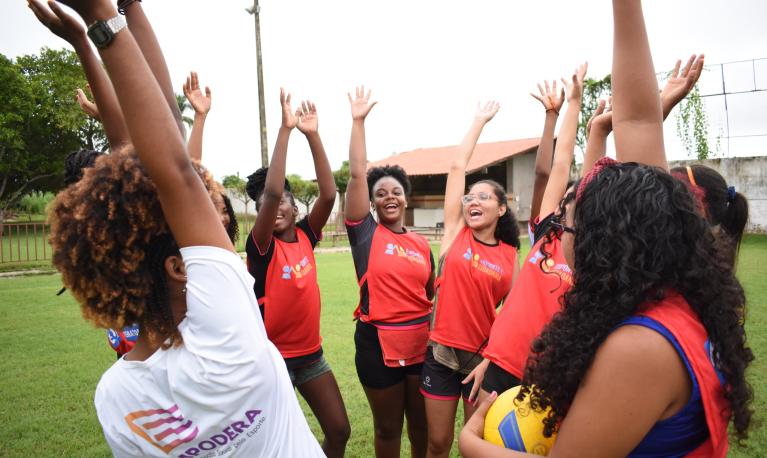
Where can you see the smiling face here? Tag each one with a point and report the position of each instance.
(218, 202)
(480, 214)
(286, 213)
(389, 200)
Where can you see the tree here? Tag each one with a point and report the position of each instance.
(341, 177)
(236, 186)
(593, 91)
(183, 107)
(40, 122)
(305, 191)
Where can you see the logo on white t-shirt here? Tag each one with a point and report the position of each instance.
(166, 429)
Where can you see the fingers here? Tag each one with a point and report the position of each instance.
(42, 13)
(367, 97)
(207, 93)
(600, 108)
(688, 66)
(538, 98)
(56, 8)
(540, 89)
(282, 96)
(195, 81)
(484, 406)
(187, 87)
(675, 71)
(350, 97)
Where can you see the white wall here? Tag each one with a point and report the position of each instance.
(749, 176)
(428, 217)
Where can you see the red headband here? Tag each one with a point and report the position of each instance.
(596, 170)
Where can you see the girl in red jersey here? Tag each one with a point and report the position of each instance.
(649, 342)
(478, 261)
(281, 259)
(395, 271)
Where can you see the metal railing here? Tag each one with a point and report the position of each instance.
(24, 242)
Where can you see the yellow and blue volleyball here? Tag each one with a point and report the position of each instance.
(516, 425)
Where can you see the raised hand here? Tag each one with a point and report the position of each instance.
(307, 118)
(575, 86)
(360, 104)
(601, 119)
(199, 101)
(90, 10)
(289, 120)
(679, 84)
(58, 21)
(485, 113)
(90, 108)
(550, 98)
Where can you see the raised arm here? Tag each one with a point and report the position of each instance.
(147, 40)
(637, 114)
(357, 198)
(552, 102)
(275, 178)
(678, 85)
(323, 206)
(563, 153)
(186, 204)
(201, 104)
(597, 129)
(71, 30)
(456, 178)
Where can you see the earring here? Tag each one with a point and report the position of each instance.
(183, 290)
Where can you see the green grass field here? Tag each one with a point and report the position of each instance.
(52, 360)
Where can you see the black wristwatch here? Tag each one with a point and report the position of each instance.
(102, 33)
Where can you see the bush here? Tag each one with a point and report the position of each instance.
(35, 202)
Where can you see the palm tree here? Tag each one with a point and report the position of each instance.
(183, 106)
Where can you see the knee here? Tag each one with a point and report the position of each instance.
(388, 430)
(440, 444)
(339, 434)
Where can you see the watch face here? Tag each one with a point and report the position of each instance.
(100, 34)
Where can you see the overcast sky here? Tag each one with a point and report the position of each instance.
(428, 62)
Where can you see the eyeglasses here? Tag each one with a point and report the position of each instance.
(562, 227)
(482, 197)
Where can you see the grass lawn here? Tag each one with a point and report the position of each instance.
(52, 360)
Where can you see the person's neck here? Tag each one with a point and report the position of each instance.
(143, 349)
(486, 235)
(289, 235)
(394, 227)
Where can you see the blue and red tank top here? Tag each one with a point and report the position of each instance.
(473, 281)
(532, 303)
(287, 291)
(700, 428)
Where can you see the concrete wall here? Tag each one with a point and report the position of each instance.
(428, 217)
(749, 176)
(520, 177)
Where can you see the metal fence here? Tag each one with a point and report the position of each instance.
(24, 242)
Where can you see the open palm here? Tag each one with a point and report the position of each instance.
(680, 83)
(360, 104)
(199, 101)
(307, 118)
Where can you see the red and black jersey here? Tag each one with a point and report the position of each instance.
(393, 270)
(473, 280)
(288, 293)
(535, 298)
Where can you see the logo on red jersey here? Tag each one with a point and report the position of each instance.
(393, 249)
(299, 270)
(483, 265)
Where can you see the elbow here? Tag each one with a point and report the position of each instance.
(542, 172)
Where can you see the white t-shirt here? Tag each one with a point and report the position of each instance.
(224, 392)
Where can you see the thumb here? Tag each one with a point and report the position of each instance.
(484, 406)
(207, 92)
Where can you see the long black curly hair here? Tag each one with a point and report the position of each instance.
(638, 235)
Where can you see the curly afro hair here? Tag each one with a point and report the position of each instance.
(257, 182)
(394, 171)
(110, 241)
(639, 235)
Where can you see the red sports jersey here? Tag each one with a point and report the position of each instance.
(473, 280)
(675, 314)
(397, 271)
(291, 299)
(535, 298)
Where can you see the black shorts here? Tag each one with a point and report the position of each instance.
(368, 359)
(498, 379)
(442, 383)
